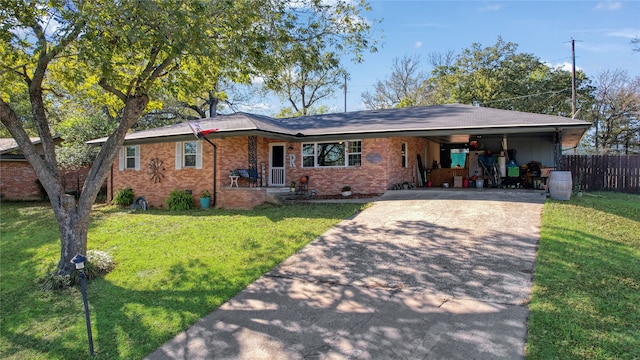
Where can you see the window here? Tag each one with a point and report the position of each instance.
(404, 154)
(189, 155)
(308, 155)
(332, 154)
(355, 153)
(130, 157)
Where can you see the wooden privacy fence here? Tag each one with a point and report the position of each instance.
(604, 172)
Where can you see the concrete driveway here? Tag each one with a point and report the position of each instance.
(434, 274)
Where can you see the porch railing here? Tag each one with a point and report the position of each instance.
(277, 177)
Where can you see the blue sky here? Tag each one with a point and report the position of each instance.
(602, 30)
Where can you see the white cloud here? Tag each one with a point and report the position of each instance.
(494, 7)
(609, 5)
(566, 66)
(257, 108)
(418, 44)
(624, 33)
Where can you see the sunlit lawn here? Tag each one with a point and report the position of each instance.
(586, 296)
(172, 268)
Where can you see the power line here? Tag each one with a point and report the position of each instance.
(526, 96)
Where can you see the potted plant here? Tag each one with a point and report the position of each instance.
(346, 190)
(205, 199)
(293, 186)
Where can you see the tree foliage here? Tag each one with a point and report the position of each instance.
(311, 70)
(496, 76)
(615, 113)
(500, 77)
(120, 55)
(303, 86)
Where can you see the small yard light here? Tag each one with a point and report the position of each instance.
(79, 261)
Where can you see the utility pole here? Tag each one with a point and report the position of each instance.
(573, 79)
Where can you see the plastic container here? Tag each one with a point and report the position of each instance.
(479, 183)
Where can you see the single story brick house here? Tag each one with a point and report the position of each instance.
(370, 151)
(18, 181)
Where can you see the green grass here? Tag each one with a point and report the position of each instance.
(172, 269)
(586, 295)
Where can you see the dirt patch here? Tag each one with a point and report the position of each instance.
(352, 196)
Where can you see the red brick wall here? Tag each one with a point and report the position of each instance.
(381, 168)
(240, 198)
(155, 193)
(18, 181)
(232, 153)
(369, 178)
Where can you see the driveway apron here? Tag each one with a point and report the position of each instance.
(434, 274)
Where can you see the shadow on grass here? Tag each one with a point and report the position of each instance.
(121, 329)
(382, 289)
(123, 319)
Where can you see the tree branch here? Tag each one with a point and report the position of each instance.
(159, 70)
(103, 84)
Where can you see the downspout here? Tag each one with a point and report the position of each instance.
(111, 187)
(215, 169)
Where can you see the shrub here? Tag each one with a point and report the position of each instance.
(98, 264)
(179, 201)
(123, 197)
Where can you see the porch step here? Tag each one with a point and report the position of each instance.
(279, 196)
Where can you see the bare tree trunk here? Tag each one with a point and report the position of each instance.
(73, 223)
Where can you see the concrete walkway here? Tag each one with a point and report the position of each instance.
(435, 274)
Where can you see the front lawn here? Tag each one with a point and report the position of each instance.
(172, 269)
(586, 295)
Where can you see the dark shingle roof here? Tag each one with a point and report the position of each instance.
(417, 121)
(10, 144)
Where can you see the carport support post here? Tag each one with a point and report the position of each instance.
(557, 149)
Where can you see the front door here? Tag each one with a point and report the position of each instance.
(276, 165)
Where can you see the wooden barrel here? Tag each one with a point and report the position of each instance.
(560, 185)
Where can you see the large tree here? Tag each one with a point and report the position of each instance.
(303, 87)
(406, 86)
(303, 81)
(501, 77)
(615, 113)
(125, 51)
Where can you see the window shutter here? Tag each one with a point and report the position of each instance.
(121, 162)
(178, 155)
(137, 157)
(198, 154)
